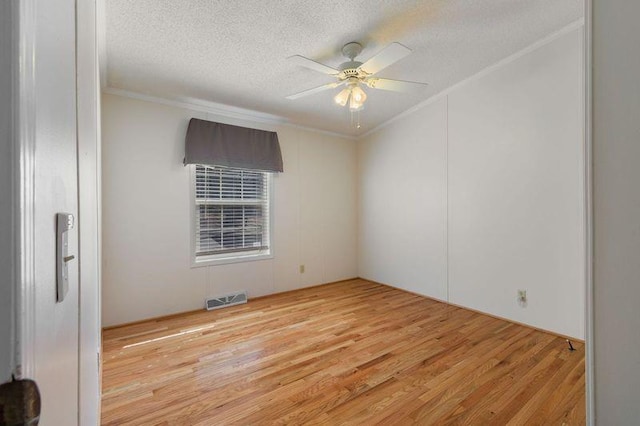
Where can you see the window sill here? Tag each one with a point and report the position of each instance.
(213, 260)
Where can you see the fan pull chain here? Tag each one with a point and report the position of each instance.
(355, 123)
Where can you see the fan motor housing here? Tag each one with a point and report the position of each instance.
(349, 69)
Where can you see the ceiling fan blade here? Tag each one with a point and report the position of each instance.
(393, 85)
(315, 90)
(311, 64)
(387, 56)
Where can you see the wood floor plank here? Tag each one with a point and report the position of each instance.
(350, 353)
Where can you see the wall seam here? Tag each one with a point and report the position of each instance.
(447, 191)
(298, 204)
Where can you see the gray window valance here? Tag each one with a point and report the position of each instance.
(218, 144)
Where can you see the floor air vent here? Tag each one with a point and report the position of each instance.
(226, 300)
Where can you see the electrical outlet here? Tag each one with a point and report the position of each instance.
(522, 297)
(302, 269)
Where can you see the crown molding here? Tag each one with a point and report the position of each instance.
(202, 106)
(221, 110)
(323, 132)
(509, 59)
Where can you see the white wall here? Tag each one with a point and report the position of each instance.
(516, 189)
(403, 203)
(7, 277)
(616, 182)
(146, 214)
(479, 193)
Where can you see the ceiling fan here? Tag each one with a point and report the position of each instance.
(355, 74)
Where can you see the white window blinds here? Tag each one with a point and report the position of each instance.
(232, 211)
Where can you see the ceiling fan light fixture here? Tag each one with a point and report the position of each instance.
(343, 97)
(358, 95)
(355, 105)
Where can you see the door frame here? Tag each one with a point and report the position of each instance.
(23, 141)
(588, 213)
(24, 29)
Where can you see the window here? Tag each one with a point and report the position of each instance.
(231, 214)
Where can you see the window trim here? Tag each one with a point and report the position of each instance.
(225, 258)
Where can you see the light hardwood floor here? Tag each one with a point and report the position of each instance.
(353, 352)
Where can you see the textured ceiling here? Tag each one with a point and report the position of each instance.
(234, 52)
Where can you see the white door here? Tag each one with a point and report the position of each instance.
(55, 190)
